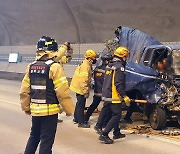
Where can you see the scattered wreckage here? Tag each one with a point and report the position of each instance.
(152, 74)
(147, 130)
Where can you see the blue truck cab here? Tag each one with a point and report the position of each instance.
(152, 74)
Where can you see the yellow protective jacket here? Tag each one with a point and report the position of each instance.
(81, 80)
(60, 82)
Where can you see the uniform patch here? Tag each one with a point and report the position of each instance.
(109, 72)
(98, 74)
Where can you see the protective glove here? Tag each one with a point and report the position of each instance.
(69, 51)
(126, 99)
(68, 45)
(86, 95)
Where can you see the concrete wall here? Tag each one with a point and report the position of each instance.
(23, 22)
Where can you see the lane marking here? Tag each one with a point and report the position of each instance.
(9, 102)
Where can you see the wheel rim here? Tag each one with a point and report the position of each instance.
(154, 119)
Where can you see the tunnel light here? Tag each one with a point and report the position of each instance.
(13, 57)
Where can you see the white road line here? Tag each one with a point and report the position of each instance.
(2, 100)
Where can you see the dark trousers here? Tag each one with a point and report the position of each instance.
(43, 131)
(132, 108)
(92, 107)
(114, 121)
(104, 115)
(79, 109)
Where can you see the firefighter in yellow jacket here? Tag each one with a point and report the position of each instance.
(80, 84)
(65, 57)
(44, 86)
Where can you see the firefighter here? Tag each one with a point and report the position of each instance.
(65, 57)
(162, 65)
(98, 82)
(114, 92)
(80, 84)
(43, 87)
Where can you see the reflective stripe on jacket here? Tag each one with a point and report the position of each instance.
(44, 109)
(80, 83)
(114, 82)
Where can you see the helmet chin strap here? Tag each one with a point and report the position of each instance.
(124, 58)
(90, 60)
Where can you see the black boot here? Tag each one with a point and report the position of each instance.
(105, 139)
(119, 136)
(84, 125)
(98, 129)
(128, 120)
(75, 121)
(60, 121)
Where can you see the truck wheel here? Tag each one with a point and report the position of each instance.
(158, 118)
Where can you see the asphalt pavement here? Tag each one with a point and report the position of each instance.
(15, 128)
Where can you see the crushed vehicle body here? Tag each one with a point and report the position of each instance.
(152, 74)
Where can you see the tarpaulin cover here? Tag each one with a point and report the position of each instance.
(135, 41)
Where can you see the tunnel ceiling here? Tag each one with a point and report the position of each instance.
(22, 22)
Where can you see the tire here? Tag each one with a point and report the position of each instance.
(158, 118)
(178, 118)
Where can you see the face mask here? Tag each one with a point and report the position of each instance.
(94, 61)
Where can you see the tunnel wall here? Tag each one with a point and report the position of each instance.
(22, 22)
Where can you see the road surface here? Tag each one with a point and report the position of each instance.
(15, 128)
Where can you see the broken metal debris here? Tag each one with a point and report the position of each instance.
(171, 132)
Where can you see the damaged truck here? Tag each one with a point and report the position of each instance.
(152, 74)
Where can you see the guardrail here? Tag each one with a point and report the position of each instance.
(27, 55)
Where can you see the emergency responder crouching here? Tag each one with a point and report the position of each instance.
(80, 84)
(43, 87)
(113, 91)
(98, 76)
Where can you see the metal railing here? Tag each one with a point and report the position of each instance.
(27, 54)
